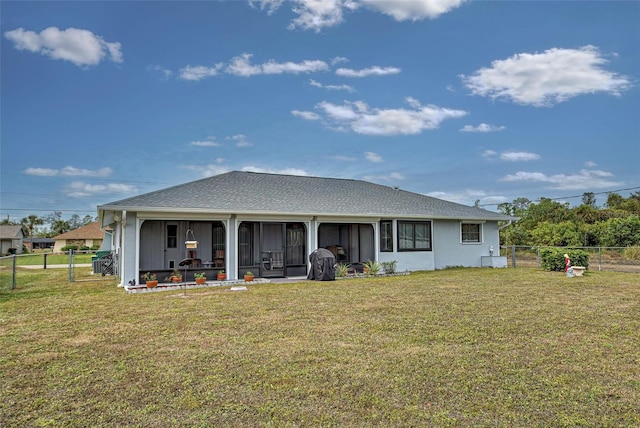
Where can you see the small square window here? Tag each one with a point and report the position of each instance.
(471, 233)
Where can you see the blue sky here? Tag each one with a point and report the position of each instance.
(465, 101)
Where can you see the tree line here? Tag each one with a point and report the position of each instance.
(551, 223)
(49, 225)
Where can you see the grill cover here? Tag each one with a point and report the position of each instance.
(322, 265)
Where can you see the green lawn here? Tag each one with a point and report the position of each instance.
(459, 347)
(52, 259)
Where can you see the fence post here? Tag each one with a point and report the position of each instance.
(70, 265)
(599, 259)
(513, 256)
(45, 261)
(13, 276)
(538, 255)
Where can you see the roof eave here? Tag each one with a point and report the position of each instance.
(299, 213)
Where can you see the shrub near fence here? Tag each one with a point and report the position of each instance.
(552, 259)
(616, 259)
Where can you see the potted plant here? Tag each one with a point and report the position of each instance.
(175, 276)
(150, 279)
(221, 275)
(200, 277)
(248, 276)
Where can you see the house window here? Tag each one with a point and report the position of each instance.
(386, 236)
(414, 236)
(172, 236)
(471, 233)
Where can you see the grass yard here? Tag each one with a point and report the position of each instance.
(37, 259)
(458, 347)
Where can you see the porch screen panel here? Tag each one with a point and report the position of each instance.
(246, 244)
(365, 232)
(296, 239)
(217, 236)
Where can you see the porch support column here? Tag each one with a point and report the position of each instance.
(231, 248)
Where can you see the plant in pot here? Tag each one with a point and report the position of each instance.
(175, 276)
(150, 279)
(201, 277)
(248, 276)
(221, 275)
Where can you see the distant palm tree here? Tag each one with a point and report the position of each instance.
(61, 226)
(30, 222)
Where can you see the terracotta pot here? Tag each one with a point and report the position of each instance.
(201, 280)
(248, 278)
(152, 284)
(176, 279)
(222, 276)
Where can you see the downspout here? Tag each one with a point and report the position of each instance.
(505, 225)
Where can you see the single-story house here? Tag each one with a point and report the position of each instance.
(39, 243)
(11, 239)
(270, 223)
(90, 235)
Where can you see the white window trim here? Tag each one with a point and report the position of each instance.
(481, 241)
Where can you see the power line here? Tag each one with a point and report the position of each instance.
(573, 197)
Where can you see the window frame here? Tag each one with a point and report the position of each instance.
(479, 224)
(386, 236)
(402, 223)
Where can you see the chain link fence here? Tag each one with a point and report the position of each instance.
(613, 259)
(80, 266)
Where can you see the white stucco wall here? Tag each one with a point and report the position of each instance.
(450, 251)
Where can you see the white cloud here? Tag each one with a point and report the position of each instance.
(241, 66)
(584, 179)
(590, 164)
(370, 71)
(519, 156)
(318, 14)
(394, 176)
(413, 10)
(81, 47)
(548, 78)
(483, 127)
(165, 72)
(307, 115)
(240, 140)
(360, 118)
(209, 142)
(339, 60)
(511, 156)
(468, 197)
(198, 72)
(372, 157)
(286, 171)
(331, 87)
(69, 171)
(210, 169)
(79, 189)
(343, 158)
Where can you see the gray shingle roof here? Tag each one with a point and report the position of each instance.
(259, 193)
(11, 232)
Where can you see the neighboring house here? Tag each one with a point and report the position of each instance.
(86, 236)
(39, 243)
(270, 223)
(11, 239)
